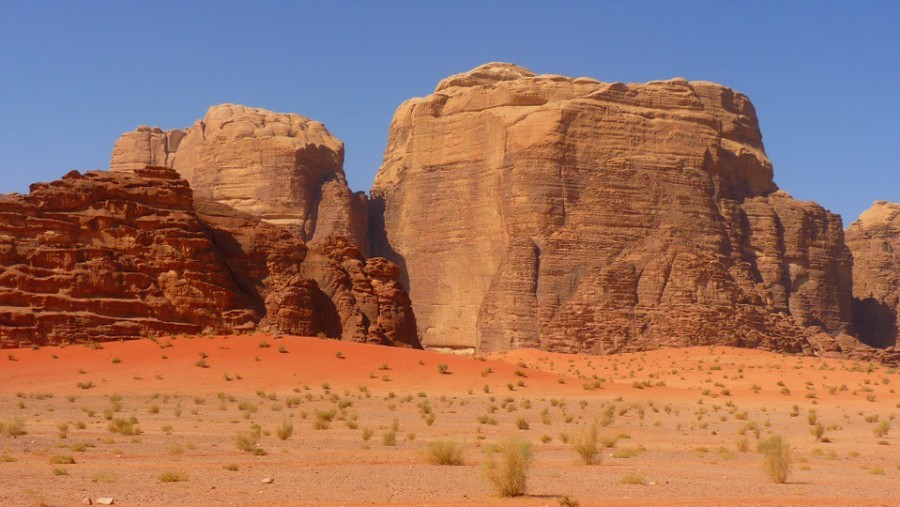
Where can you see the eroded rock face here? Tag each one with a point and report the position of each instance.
(582, 216)
(874, 239)
(327, 283)
(113, 255)
(282, 168)
(108, 256)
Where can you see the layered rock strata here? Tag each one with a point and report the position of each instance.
(115, 255)
(103, 256)
(581, 216)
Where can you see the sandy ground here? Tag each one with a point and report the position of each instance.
(680, 417)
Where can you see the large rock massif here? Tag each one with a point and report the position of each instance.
(581, 216)
(268, 237)
(272, 188)
(874, 240)
(520, 210)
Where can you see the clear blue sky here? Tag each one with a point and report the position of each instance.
(824, 75)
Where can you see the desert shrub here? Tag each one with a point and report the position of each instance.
(522, 423)
(445, 452)
(285, 431)
(586, 445)
(776, 458)
(59, 459)
(442, 369)
(818, 431)
(882, 429)
(248, 441)
(122, 426)
(173, 477)
(14, 428)
(323, 419)
(389, 438)
(507, 466)
(634, 479)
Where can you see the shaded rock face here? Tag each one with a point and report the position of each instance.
(582, 216)
(874, 239)
(328, 283)
(282, 168)
(103, 256)
(112, 255)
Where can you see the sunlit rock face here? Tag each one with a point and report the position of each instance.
(576, 215)
(282, 168)
(874, 239)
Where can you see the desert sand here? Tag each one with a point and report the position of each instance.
(681, 424)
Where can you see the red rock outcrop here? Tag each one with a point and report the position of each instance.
(582, 216)
(874, 239)
(113, 255)
(103, 256)
(282, 168)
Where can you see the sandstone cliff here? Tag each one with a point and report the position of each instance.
(103, 256)
(282, 168)
(582, 216)
(874, 240)
(112, 255)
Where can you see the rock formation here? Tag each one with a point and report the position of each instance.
(273, 190)
(874, 240)
(328, 282)
(103, 256)
(112, 255)
(582, 216)
(282, 168)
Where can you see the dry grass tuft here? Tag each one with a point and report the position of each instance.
(586, 445)
(776, 458)
(445, 452)
(507, 466)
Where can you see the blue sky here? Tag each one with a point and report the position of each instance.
(824, 76)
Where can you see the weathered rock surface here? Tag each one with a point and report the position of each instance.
(104, 256)
(582, 216)
(874, 239)
(112, 255)
(328, 283)
(282, 168)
